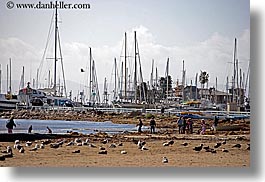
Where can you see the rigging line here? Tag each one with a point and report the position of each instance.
(60, 49)
(46, 46)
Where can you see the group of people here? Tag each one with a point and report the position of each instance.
(11, 124)
(185, 125)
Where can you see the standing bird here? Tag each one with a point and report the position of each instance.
(217, 145)
(237, 146)
(165, 160)
(30, 129)
(198, 148)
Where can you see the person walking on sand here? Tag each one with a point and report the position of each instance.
(10, 124)
(140, 124)
(49, 130)
(215, 123)
(152, 125)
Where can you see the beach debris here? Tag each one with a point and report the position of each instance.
(123, 152)
(198, 148)
(165, 160)
(237, 146)
(103, 152)
(76, 151)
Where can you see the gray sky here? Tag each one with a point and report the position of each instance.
(201, 32)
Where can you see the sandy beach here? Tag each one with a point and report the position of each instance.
(126, 152)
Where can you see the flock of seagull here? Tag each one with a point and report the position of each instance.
(141, 144)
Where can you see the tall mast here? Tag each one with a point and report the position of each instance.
(183, 79)
(115, 79)
(234, 77)
(0, 78)
(90, 74)
(121, 79)
(135, 68)
(55, 47)
(196, 86)
(10, 90)
(167, 78)
(125, 67)
(7, 78)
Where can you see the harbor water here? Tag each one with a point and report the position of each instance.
(62, 126)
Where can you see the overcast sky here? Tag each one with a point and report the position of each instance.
(201, 32)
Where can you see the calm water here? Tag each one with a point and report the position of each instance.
(61, 126)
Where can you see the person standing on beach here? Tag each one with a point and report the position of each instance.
(180, 123)
(152, 125)
(215, 123)
(140, 124)
(203, 125)
(10, 124)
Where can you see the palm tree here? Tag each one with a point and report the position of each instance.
(204, 78)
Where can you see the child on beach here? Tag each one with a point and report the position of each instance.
(10, 124)
(203, 125)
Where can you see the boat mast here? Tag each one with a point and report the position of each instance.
(125, 67)
(135, 68)
(7, 78)
(115, 79)
(183, 79)
(90, 74)
(234, 77)
(167, 69)
(10, 90)
(55, 47)
(0, 78)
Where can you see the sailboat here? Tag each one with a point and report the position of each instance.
(51, 96)
(8, 101)
(137, 96)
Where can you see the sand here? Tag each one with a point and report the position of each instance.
(177, 154)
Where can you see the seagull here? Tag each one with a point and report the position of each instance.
(9, 150)
(198, 148)
(225, 150)
(237, 146)
(70, 143)
(120, 144)
(101, 148)
(112, 145)
(171, 142)
(144, 148)
(248, 146)
(28, 143)
(217, 145)
(165, 144)
(105, 141)
(92, 145)
(184, 144)
(123, 152)
(165, 160)
(54, 145)
(16, 141)
(22, 150)
(206, 147)
(224, 142)
(76, 151)
(103, 152)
